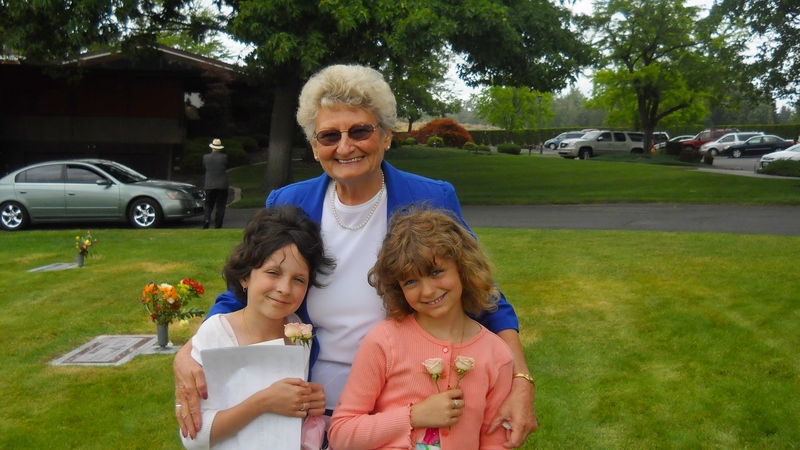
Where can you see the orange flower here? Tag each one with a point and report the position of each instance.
(165, 303)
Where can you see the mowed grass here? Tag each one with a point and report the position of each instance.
(500, 179)
(636, 339)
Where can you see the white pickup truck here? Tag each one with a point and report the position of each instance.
(595, 143)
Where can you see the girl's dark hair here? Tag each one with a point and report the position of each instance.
(268, 231)
(418, 236)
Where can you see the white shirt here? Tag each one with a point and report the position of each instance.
(347, 307)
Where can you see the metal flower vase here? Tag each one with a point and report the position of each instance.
(79, 259)
(163, 334)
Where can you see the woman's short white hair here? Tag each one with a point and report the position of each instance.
(351, 86)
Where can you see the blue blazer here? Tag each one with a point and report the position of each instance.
(404, 189)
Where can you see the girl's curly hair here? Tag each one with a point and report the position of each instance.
(418, 237)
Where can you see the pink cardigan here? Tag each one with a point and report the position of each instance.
(387, 377)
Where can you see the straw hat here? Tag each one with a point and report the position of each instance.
(216, 144)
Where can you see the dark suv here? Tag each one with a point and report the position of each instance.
(706, 136)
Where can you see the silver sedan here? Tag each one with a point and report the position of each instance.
(92, 190)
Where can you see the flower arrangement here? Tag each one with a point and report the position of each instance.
(165, 303)
(302, 332)
(82, 243)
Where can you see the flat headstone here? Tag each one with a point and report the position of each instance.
(107, 350)
(56, 266)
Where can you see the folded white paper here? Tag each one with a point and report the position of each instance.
(235, 373)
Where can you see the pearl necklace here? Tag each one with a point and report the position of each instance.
(374, 207)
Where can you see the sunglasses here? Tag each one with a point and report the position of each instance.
(356, 132)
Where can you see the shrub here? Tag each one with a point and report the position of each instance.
(783, 168)
(396, 142)
(673, 148)
(484, 148)
(246, 143)
(452, 133)
(435, 141)
(708, 158)
(409, 141)
(690, 156)
(470, 147)
(236, 156)
(191, 163)
(509, 148)
(193, 150)
(262, 139)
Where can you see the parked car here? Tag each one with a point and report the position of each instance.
(791, 154)
(705, 136)
(717, 146)
(660, 137)
(92, 189)
(552, 144)
(595, 143)
(757, 145)
(681, 138)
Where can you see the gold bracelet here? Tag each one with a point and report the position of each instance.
(525, 376)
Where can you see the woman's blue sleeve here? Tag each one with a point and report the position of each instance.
(226, 303)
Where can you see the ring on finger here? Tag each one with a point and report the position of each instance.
(455, 403)
(303, 406)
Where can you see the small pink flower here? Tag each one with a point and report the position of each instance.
(299, 331)
(434, 367)
(292, 331)
(463, 364)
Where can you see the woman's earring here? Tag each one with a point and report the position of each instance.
(245, 290)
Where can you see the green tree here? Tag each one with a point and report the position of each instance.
(776, 24)
(42, 31)
(513, 108)
(509, 42)
(569, 110)
(662, 63)
(206, 43)
(420, 87)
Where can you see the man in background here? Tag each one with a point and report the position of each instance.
(216, 183)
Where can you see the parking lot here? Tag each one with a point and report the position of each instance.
(745, 164)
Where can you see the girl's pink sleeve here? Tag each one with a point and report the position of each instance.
(497, 394)
(354, 425)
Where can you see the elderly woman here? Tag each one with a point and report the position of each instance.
(348, 113)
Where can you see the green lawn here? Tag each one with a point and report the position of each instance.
(636, 339)
(508, 179)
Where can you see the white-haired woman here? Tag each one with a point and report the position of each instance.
(348, 113)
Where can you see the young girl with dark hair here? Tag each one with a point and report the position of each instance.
(279, 257)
